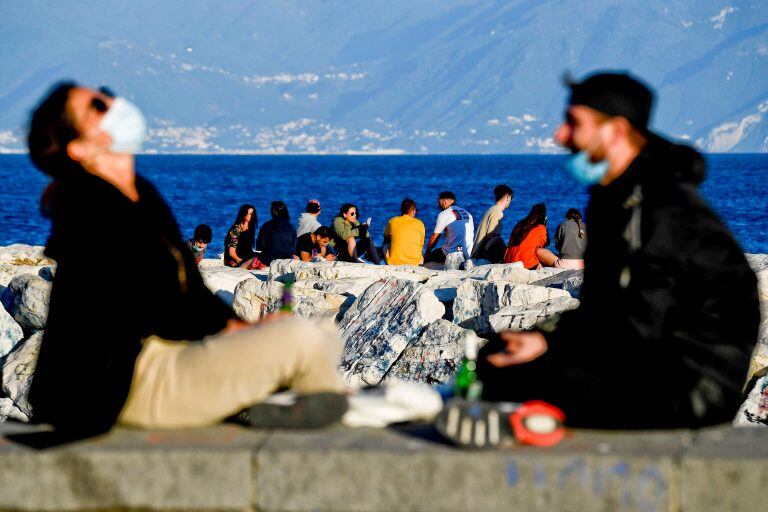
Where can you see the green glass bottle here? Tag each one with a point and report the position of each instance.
(287, 298)
(467, 384)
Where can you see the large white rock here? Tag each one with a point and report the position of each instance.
(477, 300)
(760, 353)
(759, 264)
(282, 270)
(381, 323)
(255, 298)
(435, 356)
(10, 332)
(8, 272)
(511, 272)
(27, 299)
(223, 280)
(20, 254)
(17, 372)
(522, 318)
(8, 410)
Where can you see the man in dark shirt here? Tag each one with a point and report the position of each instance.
(314, 246)
(669, 310)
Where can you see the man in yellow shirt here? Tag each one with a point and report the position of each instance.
(404, 237)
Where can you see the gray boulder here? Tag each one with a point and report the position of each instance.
(254, 298)
(8, 410)
(754, 411)
(8, 272)
(387, 318)
(435, 356)
(522, 318)
(350, 286)
(477, 300)
(10, 332)
(17, 372)
(295, 270)
(760, 353)
(27, 299)
(759, 264)
(445, 284)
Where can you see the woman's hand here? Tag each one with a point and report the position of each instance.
(522, 347)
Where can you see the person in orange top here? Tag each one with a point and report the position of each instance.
(528, 239)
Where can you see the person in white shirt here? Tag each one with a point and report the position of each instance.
(308, 222)
(458, 226)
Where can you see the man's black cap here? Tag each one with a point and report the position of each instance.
(614, 94)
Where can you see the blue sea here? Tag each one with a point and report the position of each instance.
(209, 189)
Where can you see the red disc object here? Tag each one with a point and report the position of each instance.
(538, 423)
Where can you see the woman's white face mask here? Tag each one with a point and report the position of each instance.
(125, 123)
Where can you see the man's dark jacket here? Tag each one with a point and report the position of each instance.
(669, 308)
(276, 240)
(123, 273)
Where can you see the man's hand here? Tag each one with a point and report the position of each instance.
(522, 347)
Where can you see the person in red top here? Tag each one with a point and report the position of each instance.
(528, 239)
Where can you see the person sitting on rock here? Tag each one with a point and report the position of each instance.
(528, 239)
(349, 233)
(308, 222)
(151, 346)
(238, 244)
(488, 242)
(199, 241)
(570, 241)
(457, 225)
(404, 237)
(314, 246)
(277, 238)
(669, 312)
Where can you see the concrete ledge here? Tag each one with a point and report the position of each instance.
(232, 468)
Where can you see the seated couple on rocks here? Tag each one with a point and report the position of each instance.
(163, 351)
(529, 240)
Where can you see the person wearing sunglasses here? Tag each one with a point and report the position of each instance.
(150, 347)
(350, 236)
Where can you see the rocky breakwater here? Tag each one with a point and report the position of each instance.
(397, 322)
(406, 322)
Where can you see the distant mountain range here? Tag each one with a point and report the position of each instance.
(388, 76)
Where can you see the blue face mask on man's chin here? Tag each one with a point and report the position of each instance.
(583, 170)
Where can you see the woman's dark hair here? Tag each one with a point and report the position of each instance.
(50, 130)
(574, 214)
(535, 217)
(323, 232)
(279, 209)
(345, 208)
(247, 238)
